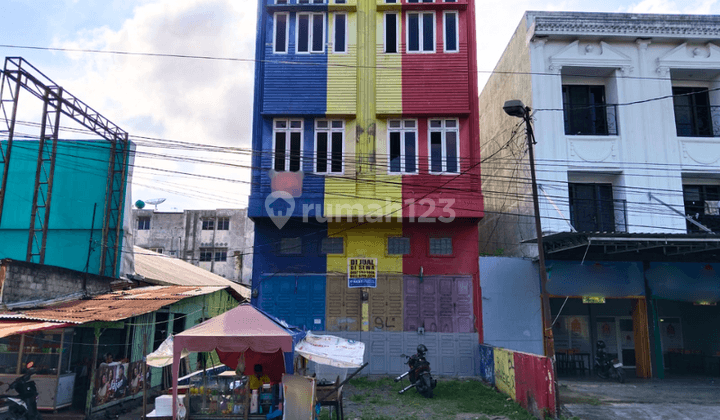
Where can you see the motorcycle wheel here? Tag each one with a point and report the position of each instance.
(620, 375)
(599, 372)
(427, 388)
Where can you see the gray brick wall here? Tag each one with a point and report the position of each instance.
(24, 281)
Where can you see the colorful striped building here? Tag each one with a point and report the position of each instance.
(365, 138)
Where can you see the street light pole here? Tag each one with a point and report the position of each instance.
(516, 108)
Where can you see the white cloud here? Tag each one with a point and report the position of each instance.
(192, 100)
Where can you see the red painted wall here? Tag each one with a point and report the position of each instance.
(437, 83)
(463, 261)
(428, 190)
(534, 384)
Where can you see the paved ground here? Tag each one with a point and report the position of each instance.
(639, 399)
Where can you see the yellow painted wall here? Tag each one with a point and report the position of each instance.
(342, 69)
(367, 241)
(505, 372)
(389, 69)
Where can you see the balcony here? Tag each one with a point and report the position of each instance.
(590, 120)
(697, 120)
(592, 215)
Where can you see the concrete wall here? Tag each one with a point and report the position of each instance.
(512, 316)
(181, 235)
(23, 281)
(452, 354)
(508, 209)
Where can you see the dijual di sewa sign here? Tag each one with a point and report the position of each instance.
(362, 272)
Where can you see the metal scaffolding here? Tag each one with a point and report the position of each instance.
(18, 74)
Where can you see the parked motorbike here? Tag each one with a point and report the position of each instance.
(418, 373)
(606, 366)
(22, 406)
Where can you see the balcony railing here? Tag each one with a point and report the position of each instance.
(697, 120)
(588, 215)
(590, 120)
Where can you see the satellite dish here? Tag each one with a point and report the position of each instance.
(155, 201)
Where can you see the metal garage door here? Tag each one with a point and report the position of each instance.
(343, 305)
(298, 300)
(386, 304)
(439, 304)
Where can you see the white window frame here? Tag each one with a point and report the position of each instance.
(287, 32)
(345, 47)
(420, 32)
(329, 130)
(420, 1)
(443, 145)
(402, 130)
(311, 18)
(397, 32)
(457, 31)
(288, 130)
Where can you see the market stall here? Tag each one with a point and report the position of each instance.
(244, 337)
(49, 351)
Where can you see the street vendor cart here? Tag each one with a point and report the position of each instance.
(242, 337)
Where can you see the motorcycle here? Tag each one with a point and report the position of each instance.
(419, 373)
(606, 366)
(22, 406)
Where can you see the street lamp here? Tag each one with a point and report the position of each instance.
(516, 108)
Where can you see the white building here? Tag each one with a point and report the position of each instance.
(625, 114)
(219, 241)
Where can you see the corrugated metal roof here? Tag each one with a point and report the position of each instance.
(8, 328)
(166, 270)
(113, 306)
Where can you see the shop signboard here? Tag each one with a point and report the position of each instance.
(362, 272)
(117, 380)
(593, 299)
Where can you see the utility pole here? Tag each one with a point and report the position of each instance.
(516, 108)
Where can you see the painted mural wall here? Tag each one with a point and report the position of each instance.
(528, 379)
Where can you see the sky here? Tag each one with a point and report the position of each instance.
(208, 103)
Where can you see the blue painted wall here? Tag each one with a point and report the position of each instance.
(79, 182)
(294, 84)
(511, 306)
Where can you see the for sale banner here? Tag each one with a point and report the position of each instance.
(362, 272)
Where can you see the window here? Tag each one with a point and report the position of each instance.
(701, 203)
(340, 29)
(310, 32)
(221, 255)
(692, 112)
(158, 250)
(287, 146)
(444, 146)
(390, 1)
(592, 207)
(420, 1)
(585, 110)
(208, 224)
(397, 245)
(311, 1)
(206, 254)
(291, 246)
(450, 36)
(332, 246)
(223, 223)
(391, 33)
(143, 223)
(340, 1)
(402, 146)
(280, 33)
(421, 32)
(329, 146)
(441, 246)
(281, 1)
